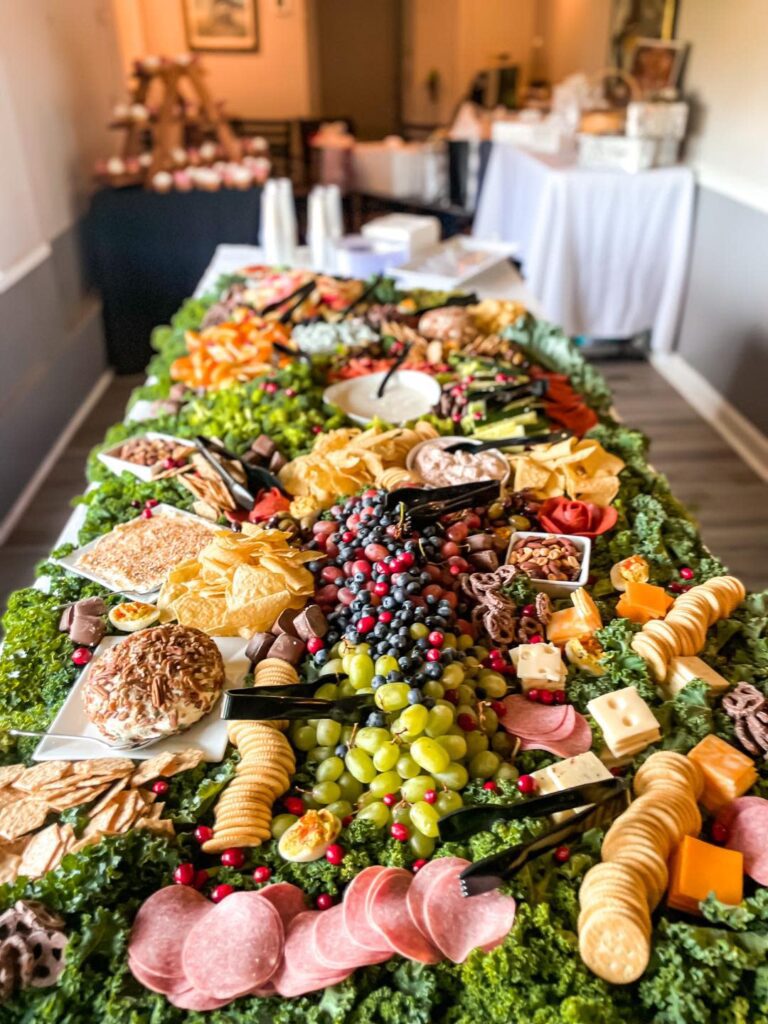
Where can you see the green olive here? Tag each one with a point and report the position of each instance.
(496, 510)
(520, 522)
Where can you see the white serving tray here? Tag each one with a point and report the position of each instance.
(559, 588)
(118, 465)
(450, 264)
(208, 735)
(68, 561)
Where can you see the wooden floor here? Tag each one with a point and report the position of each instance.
(722, 492)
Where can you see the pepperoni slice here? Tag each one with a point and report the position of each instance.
(299, 972)
(287, 899)
(356, 919)
(459, 924)
(747, 822)
(391, 917)
(421, 882)
(156, 982)
(236, 948)
(335, 949)
(167, 914)
(194, 999)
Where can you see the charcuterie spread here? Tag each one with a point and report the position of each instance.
(494, 720)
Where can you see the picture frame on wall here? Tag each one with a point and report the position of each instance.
(229, 26)
(639, 19)
(657, 64)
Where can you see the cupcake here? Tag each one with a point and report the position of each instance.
(115, 166)
(207, 180)
(162, 182)
(182, 181)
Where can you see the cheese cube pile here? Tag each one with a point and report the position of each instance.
(700, 868)
(573, 771)
(642, 602)
(684, 670)
(727, 772)
(539, 667)
(627, 723)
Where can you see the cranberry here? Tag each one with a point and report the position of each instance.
(381, 589)
(363, 566)
(562, 854)
(160, 787)
(452, 696)
(560, 697)
(390, 799)
(347, 820)
(529, 610)
(466, 722)
(499, 707)
(317, 429)
(184, 874)
(270, 387)
(676, 588)
(324, 901)
(347, 536)
(220, 892)
(436, 638)
(262, 873)
(534, 695)
(201, 877)
(418, 865)
(408, 559)
(547, 697)
(290, 393)
(151, 503)
(334, 854)
(433, 654)
(399, 832)
(537, 638)
(430, 796)
(167, 464)
(385, 617)
(526, 785)
(315, 644)
(202, 834)
(366, 624)
(81, 655)
(294, 805)
(686, 573)
(718, 832)
(491, 786)
(146, 513)
(233, 857)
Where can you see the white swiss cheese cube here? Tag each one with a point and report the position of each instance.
(539, 666)
(684, 670)
(626, 721)
(573, 771)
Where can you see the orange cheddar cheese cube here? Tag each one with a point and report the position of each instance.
(566, 625)
(727, 772)
(642, 602)
(698, 869)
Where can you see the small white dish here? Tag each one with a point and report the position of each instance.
(409, 394)
(70, 561)
(444, 442)
(559, 588)
(209, 734)
(450, 264)
(117, 465)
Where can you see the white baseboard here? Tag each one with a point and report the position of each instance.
(749, 443)
(19, 507)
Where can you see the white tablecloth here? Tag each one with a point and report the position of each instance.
(604, 252)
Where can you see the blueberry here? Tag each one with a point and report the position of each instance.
(393, 676)
(378, 680)
(414, 696)
(313, 566)
(352, 636)
(341, 750)
(320, 657)
(398, 594)
(434, 671)
(376, 720)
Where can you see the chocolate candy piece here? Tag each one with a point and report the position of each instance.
(258, 647)
(86, 630)
(284, 623)
(311, 622)
(486, 561)
(66, 618)
(90, 606)
(289, 648)
(480, 542)
(264, 447)
(276, 462)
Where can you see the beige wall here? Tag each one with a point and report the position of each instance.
(271, 83)
(576, 36)
(727, 77)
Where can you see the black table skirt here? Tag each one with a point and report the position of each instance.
(146, 253)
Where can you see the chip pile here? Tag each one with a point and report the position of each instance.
(581, 469)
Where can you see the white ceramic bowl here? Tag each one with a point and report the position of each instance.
(444, 442)
(559, 588)
(357, 396)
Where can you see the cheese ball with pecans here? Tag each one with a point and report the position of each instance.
(157, 682)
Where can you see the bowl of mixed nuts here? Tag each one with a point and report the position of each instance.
(556, 564)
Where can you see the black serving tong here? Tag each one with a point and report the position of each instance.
(257, 477)
(294, 353)
(392, 370)
(369, 289)
(470, 299)
(510, 442)
(604, 799)
(534, 388)
(265, 704)
(302, 291)
(431, 503)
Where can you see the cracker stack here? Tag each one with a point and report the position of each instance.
(684, 630)
(618, 895)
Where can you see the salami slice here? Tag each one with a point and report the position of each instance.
(335, 949)
(747, 822)
(236, 948)
(391, 917)
(459, 924)
(299, 971)
(356, 919)
(577, 741)
(528, 720)
(421, 882)
(287, 899)
(156, 982)
(170, 912)
(194, 999)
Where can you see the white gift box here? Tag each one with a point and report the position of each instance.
(656, 120)
(389, 169)
(616, 152)
(538, 136)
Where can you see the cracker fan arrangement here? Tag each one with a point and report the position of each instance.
(448, 717)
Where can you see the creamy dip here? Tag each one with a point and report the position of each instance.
(438, 467)
(408, 394)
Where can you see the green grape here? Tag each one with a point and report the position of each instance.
(330, 769)
(346, 662)
(455, 746)
(453, 676)
(425, 818)
(439, 720)
(360, 765)
(363, 648)
(328, 691)
(385, 664)
(386, 757)
(366, 798)
(328, 732)
(414, 720)
(507, 771)
(465, 642)
(471, 664)
(311, 804)
(414, 789)
(407, 767)
(304, 738)
(341, 808)
(467, 709)
(326, 792)
(455, 776)
(280, 823)
(376, 812)
(402, 813)
(370, 738)
(484, 765)
(433, 689)
(476, 743)
(347, 732)
(333, 666)
(489, 722)
(466, 695)
(421, 845)
(349, 786)
(346, 689)
(360, 671)
(447, 802)
(481, 653)
(502, 743)
(449, 640)
(494, 684)
(392, 696)
(387, 782)
(418, 631)
(428, 753)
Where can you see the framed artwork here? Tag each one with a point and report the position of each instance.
(224, 25)
(639, 19)
(657, 64)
